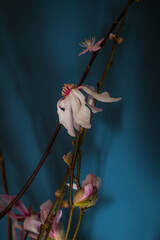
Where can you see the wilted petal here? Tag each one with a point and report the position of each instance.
(103, 97)
(94, 109)
(65, 116)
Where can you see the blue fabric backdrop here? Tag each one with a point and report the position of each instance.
(38, 54)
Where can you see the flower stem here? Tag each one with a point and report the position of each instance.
(25, 187)
(81, 212)
(69, 222)
(78, 168)
(72, 169)
(5, 187)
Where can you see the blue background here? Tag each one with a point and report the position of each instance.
(38, 54)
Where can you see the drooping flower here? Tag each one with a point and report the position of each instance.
(90, 45)
(31, 222)
(87, 196)
(73, 109)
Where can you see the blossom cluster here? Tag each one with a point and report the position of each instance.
(26, 220)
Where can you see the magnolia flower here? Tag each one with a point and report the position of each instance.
(74, 111)
(88, 195)
(90, 45)
(31, 222)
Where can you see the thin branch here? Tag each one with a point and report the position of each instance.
(46, 153)
(5, 187)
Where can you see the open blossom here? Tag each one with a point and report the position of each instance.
(30, 221)
(90, 45)
(75, 111)
(87, 196)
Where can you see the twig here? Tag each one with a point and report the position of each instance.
(81, 212)
(46, 153)
(5, 187)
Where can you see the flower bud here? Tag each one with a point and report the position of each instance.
(87, 196)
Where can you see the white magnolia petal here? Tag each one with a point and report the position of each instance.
(103, 97)
(79, 95)
(95, 109)
(81, 113)
(65, 117)
(83, 117)
(91, 100)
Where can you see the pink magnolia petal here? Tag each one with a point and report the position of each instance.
(21, 208)
(47, 204)
(92, 179)
(87, 191)
(14, 226)
(100, 41)
(56, 221)
(83, 52)
(19, 205)
(7, 198)
(95, 48)
(28, 224)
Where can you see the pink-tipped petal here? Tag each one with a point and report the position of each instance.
(87, 191)
(92, 179)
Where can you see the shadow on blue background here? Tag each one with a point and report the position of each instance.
(38, 54)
